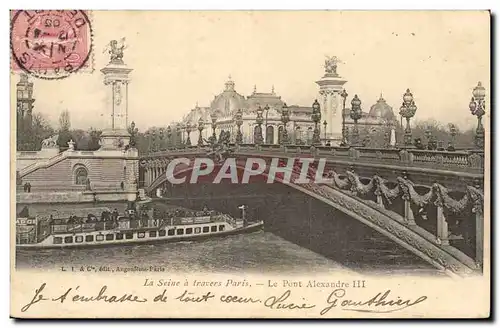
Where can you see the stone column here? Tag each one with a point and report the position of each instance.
(442, 225)
(330, 85)
(116, 78)
(324, 103)
(409, 218)
(380, 199)
(331, 117)
(479, 216)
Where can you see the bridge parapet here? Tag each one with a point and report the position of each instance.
(471, 161)
(461, 161)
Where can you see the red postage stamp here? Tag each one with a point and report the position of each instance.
(50, 44)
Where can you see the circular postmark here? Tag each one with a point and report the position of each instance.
(50, 44)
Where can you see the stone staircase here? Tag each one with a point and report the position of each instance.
(33, 167)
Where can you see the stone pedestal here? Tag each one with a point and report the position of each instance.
(116, 78)
(114, 139)
(330, 87)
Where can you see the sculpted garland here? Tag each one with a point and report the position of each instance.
(406, 189)
(395, 228)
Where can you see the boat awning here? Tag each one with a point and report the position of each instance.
(66, 213)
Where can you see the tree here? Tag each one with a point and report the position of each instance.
(81, 139)
(64, 133)
(441, 133)
(64, 120)
(94, 138)
(40, 130)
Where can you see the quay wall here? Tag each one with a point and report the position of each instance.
(72, 197)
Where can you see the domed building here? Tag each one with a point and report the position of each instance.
(224, 107)
(228, 101)
(381, 110)
(378, 121)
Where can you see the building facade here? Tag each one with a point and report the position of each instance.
(224, 107)
(222, 110)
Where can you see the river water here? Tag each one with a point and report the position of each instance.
(258, 252)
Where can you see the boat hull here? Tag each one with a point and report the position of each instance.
(149, 240)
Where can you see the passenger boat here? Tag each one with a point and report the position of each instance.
(40, 233)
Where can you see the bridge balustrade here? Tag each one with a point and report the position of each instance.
(472, 160)
(450, 220)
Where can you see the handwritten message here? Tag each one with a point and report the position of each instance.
(281, 295)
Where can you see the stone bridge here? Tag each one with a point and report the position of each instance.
(429, 202)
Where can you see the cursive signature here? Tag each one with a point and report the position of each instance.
(281, 303)
(380, 303)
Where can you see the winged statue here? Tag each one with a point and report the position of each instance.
(115, 50)
(331, 64)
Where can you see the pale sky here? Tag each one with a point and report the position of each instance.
(180, 58)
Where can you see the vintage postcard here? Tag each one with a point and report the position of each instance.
(250, 164)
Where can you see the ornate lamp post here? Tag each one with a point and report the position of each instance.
(477, 107)
(162, 137)
(285, 118)
(316, 117)
(213, 117)
(324, 131)
(355, 115)
(259, 120)
(266, 108)
(169, 137)
(428, 136)
(453, 133)
(147, 136)
(188, 131)
(408, 110)
(154, 145)
(344, 130)
(238, 118)
(133, 134)
(178, 136)
(201, 125)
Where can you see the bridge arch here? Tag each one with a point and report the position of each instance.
(375, 218)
